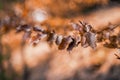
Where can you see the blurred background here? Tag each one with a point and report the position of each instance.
(19, 61)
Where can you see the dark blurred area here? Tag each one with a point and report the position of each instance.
(20, 61)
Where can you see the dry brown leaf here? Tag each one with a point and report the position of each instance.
(65, 41)
(91, 39)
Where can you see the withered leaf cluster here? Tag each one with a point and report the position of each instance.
(107, 36)
(88, 35)
(85, 36)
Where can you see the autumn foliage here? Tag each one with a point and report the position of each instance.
(59, 40)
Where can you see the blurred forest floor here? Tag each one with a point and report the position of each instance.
(46, 62)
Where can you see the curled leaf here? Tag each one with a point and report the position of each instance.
(71, 45)
(91, 39)
(65, 41)
(51, 37)
(78, 40)
(84, 42)
(59, 39)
